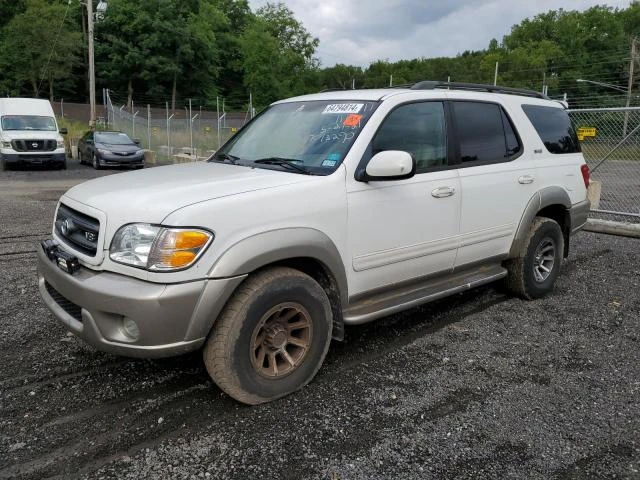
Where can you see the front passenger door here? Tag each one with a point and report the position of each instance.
(405, 229)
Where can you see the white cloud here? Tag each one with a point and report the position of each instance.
(359, 32)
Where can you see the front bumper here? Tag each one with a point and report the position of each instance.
(121, 160)
(579, 214)
(172, 318)
(30, 158)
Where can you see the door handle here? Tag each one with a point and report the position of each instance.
(526, 179)
(443, 192)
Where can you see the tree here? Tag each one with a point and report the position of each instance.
(278, 55)
(153, 46)
(39, 48)
(9, 9)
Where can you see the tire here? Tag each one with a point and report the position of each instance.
(258, 314)
(80, 158)
(533, 273)
(96, 162)
(5, 166)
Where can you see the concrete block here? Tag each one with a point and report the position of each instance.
(613, 228)
(593, 193)
(149, 157)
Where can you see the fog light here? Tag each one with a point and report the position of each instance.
(130, 328)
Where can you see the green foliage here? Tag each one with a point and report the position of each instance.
(178, 49)
(278, 55)
(37, 49)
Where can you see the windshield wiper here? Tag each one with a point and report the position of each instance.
(222, 157)
(285, 162)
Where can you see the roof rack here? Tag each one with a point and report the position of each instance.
(476, 87)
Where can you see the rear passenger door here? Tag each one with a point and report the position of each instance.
(497, 179)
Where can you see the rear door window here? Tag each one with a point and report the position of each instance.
(554, 127)
(485, 133)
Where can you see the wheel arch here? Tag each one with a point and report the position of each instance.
(550, 202)
(305, 249)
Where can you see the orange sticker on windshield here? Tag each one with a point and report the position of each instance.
(352, 120)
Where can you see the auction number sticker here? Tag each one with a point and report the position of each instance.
(340, 108)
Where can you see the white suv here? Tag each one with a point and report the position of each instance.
(326, 210)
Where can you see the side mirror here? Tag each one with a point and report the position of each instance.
(136, 141)
(63, 131)
(388, 165)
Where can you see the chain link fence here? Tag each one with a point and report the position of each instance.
(179, 136)
(610, 140)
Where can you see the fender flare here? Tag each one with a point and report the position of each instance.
(254, 252)
(542, 198)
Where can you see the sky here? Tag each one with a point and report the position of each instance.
(358, 32)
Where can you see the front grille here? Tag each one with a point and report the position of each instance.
(34, 145)
(67, 305)
(78, 230)
(124, 154)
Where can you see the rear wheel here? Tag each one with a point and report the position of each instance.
(81, 158)
(271, 338)
(533, 273)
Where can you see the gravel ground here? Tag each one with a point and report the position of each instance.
(477, 385)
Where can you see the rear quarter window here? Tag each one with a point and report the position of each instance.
(554, 127)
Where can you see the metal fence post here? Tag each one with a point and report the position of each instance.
(218, 120)
(133, 122)
(190, 129)
(149, 126)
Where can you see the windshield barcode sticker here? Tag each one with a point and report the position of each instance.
(339, 108)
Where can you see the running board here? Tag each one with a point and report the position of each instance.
(395, 300)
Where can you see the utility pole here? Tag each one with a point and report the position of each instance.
(495, 76)
(632, 63)
(92, 69)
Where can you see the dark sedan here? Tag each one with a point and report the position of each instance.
(110, 149)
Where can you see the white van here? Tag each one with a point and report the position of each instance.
(29, 134)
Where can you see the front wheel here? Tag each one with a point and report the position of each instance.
(271, 338)
(533, 273)
(96, 162)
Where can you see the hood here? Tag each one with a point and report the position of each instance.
(9, 135)
(132, 147)
(150, 195)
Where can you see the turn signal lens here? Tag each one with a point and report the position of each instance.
(177, 248)
(190, 239)
(180, 258)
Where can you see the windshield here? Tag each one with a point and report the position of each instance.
(28, 122)
(113, 138)
(315, 135)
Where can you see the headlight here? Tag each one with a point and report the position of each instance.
(6, 144)
(140, 152)
(104, 152)
(60, 143)
(157, 248)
